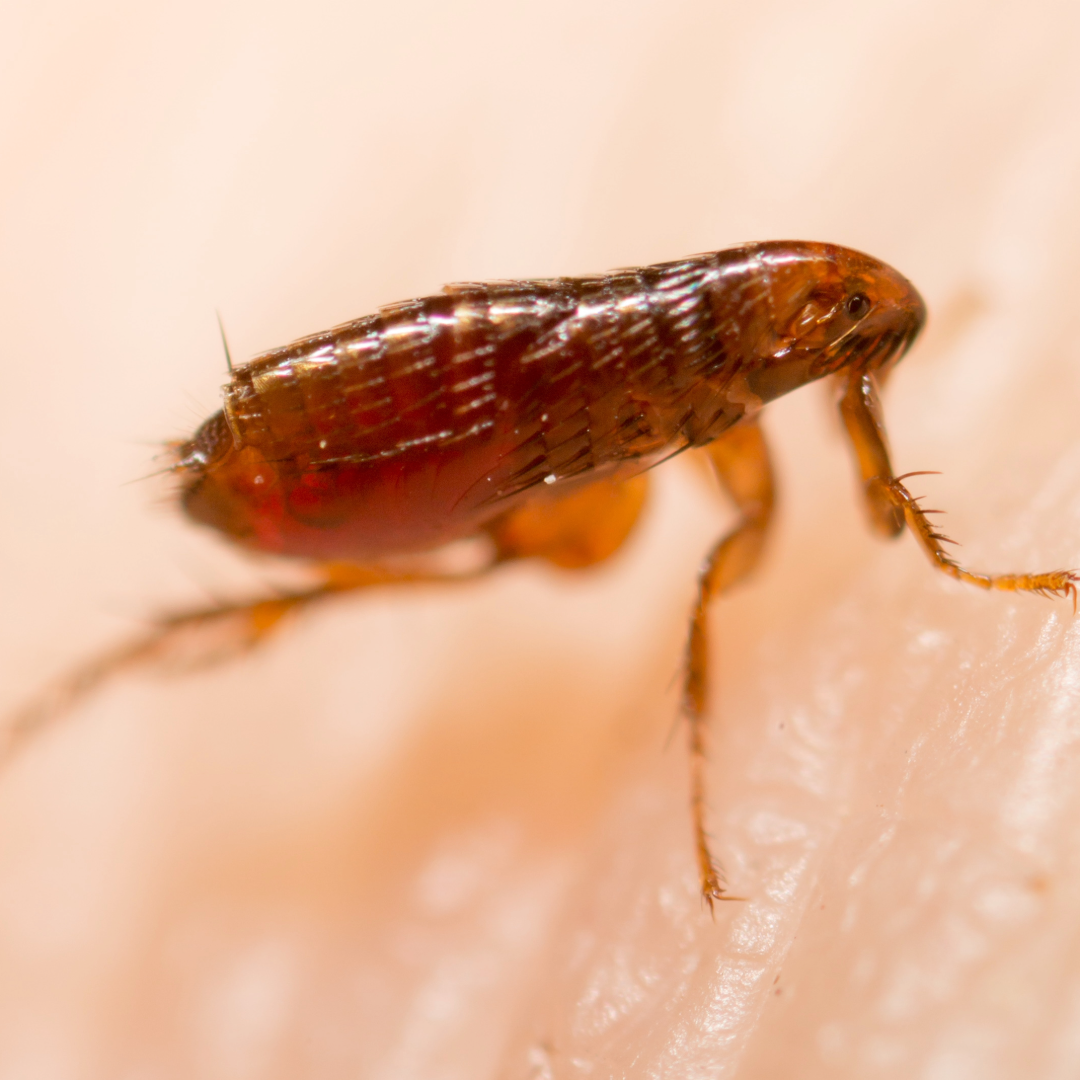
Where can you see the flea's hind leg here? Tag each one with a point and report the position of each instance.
(573, 530)
(891, 504)
(741, 460)
(201, 636)
(578, 529)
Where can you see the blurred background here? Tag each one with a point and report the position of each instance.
(444, 833)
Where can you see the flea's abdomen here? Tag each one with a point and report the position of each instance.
(414, 427)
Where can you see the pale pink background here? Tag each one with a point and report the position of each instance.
(438, 835)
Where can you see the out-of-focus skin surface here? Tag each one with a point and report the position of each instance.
(438, 834)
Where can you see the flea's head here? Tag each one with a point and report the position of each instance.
(830, 310)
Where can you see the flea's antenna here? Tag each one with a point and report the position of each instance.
(225, 342)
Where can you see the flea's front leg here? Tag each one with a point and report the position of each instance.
(891, 505)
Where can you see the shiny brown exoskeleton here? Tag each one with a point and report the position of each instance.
(528, 412)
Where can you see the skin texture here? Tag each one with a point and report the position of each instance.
(437, 833)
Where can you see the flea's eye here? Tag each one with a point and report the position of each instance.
(858, 305)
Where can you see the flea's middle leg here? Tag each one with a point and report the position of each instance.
(740, 458)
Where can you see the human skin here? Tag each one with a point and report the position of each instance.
(444, 832)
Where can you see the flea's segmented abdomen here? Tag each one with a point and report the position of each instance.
(573, 373)
(416, 425)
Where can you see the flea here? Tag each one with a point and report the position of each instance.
(526, 414)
